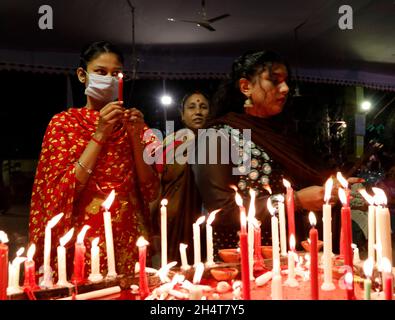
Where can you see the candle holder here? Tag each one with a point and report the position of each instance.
(95, 277)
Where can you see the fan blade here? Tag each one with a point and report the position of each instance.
(206, 25)
(223, 16)
(191, 21)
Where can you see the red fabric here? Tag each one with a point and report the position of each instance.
(55, 190)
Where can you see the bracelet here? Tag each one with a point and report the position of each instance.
(89, 171)
(100, 143)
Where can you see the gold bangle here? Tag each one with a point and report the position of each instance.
(89, 171)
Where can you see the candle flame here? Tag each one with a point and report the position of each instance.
(312, 218)
(292, 242)
(342, 180)
(369, 199)
(120, 75)
(18, 260)
(108, 202)
(251, 209)
(238, 199)
(200, 220)
(66, 238)
(95, 242)
(3, 237)
(270, 207)
(268, 189)
(164, 202)
(380, 198)
(31, 251)
(20, 252)
(342, 196)
(386, 265)
(211, 216)
(368, 267)
(286, 183)
(328, 189)
(308, 240)
(81, 235)
(183, 246)
(198, 273)
(141, 242)
(54, 220)
(256, 223)
(348, 278)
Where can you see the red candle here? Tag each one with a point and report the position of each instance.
(313, 257)
(3, 265)
(387, 279)
(245, 274)
(289, 199)
(30, 270)
(143, 280)
(79, 257)
(120, 86)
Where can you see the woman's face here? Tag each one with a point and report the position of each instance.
(268, 92)
(106, 64)
(195, 112)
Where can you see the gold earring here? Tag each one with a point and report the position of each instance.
(248, 103)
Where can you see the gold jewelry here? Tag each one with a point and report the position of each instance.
(87, 170)
(248, 103)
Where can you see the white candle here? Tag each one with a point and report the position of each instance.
(328, 284)
(263, 278)
(283, 233)
(384, 222)
(108, 234)
(275, 240)
(47, 279)
(196, 292)
(277, 291)
(95, 275)
(209, 238)
(163, 231)
(250, 236)
(196, 240)
(95, 294)
(61, 251)
(291, 280)
(371, 223)
(14, 273)
(183, 254)
(355, 250)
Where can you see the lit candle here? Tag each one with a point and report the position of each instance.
(384, 223)
(275, 240)
(277, 291)
(163, 231)
(283, 233)
(313, 234)
(3, 265)
(30, 269)
(108, 234)
(196, 240)
(387, 279)
(142, 245)
(183, 254)
(47, 279)
(289, 199)
(14, 272)
(251, 217)
(346, 203)
(95, 275)
(328, 284)
(79, 257)
(209, 238)
(291, 280)
(245, 271)
(120, 86)
(371, 222)
(368, 270)
(258, 258)
(61, 250)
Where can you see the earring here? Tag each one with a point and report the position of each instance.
(248, 103)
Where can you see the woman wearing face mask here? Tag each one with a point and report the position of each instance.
(253, 98)
(88, 152)
(177, 181)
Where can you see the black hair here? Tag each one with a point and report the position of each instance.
(189, 94)
(93, 50)
(228, 97)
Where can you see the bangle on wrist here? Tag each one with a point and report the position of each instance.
(87, 170)
(99, 142)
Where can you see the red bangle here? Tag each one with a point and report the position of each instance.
(100, 143)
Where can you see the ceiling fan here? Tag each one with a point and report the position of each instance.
(202, 21)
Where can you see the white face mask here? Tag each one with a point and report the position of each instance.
(102, 88)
